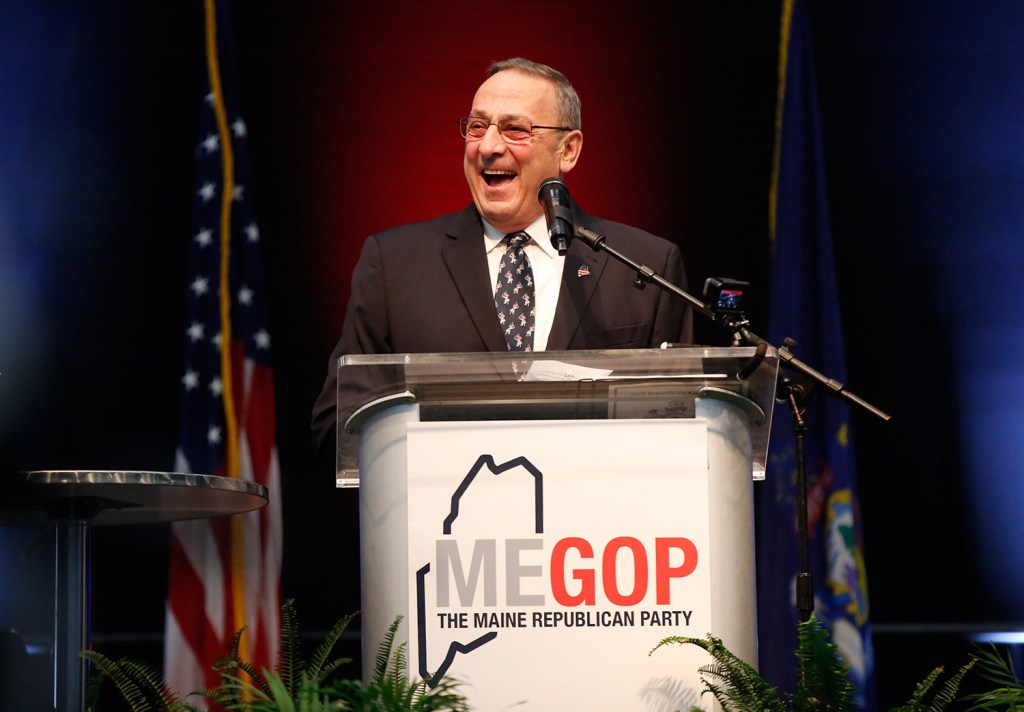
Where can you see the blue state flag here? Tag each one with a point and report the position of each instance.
(805, 306)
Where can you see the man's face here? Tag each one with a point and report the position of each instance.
(504, 178)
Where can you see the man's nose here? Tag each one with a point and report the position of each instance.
(492, 142)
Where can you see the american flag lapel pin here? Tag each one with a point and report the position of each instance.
(583, 271)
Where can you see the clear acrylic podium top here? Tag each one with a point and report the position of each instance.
(556, 385)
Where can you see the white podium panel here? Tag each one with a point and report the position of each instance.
(532, 542)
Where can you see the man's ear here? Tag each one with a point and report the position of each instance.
(572, 146)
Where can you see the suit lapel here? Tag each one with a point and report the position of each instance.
(467, 263)
(580, 275)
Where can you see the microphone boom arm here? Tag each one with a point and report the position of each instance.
(646, 275)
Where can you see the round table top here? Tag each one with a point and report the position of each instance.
(103, 497)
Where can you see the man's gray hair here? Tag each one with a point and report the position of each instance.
(569, 112)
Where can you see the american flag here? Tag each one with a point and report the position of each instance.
(224, 573)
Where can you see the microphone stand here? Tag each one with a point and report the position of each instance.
(736, 323)
(795, 396)
(792, 391)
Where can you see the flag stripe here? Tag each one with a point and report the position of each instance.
(184, 615)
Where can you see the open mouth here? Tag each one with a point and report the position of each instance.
(496, 179)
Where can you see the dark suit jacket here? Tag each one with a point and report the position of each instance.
(425, 288)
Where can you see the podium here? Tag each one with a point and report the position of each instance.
(542, 524)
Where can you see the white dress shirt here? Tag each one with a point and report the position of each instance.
(546, 264)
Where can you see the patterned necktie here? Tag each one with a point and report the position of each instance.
(514, 295)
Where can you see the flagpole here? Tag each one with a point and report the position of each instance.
(227, 373)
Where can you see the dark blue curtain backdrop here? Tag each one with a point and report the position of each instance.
(924, 131)
(922, 109)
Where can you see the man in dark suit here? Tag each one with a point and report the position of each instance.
(437, 286)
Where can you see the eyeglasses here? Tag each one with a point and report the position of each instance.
(474, 128)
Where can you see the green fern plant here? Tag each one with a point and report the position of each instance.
(996, 667)
(822, 683)
(927, 698)
(293, 686)
(738, 687)
(140, 685)
(729, 679)
(391, 690)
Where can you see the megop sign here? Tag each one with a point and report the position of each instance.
(548, 557)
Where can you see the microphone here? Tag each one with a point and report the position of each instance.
(554, 196)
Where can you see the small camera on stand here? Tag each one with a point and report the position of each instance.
(724, 297)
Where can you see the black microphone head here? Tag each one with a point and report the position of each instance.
(556, 188)
(554, 196)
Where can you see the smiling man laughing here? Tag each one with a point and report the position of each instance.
(524, 128)
(487, 278)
